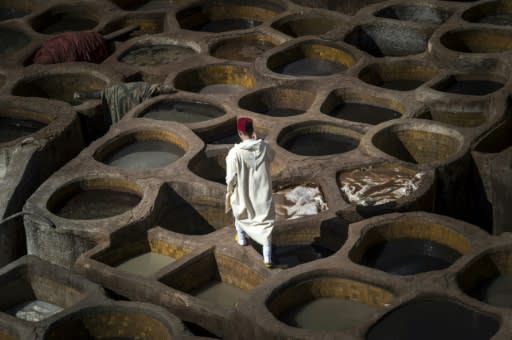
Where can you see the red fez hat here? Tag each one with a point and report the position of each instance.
(244, 124)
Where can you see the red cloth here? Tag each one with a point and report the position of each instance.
(244, 124)
(86, 46)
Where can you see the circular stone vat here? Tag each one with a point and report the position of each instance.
(310, 59)
(216, 79)
(94, 199)
(434, 318)
(245, 48)
(327, 303)
(147, 54)
(409, 246)
(59, 86)
(224, 16)
(317, 139)
(182, 111)
(12, 9)
(278, 101)
(133, 5)
(399, 76)
(414, 13)
(489, 278)
(494, 13)
(471, 85)
(64, 19)
(11, 40)
(306, 24)
(478, 40)
(360, 107)
(142, 150)
(112, 321)
(418, 143)
(149, 23)
(15, 124)
(347, 7)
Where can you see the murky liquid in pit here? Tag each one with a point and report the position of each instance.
(473, 87)
(96, 203)
(34, 311)
(313, 66)
(220, 293)
(226, 25)
(497, 291)
(242, 50)
(183, 112)
(222, 89)
(319, 144)
(330, 314)
(7, 13)
(504, 19)
(363, 113)
(11, 41)
(13, 128)
(65, 23)
(157, 55)
(291, 256)
(401, 84)
(145, 154)
(146, 264)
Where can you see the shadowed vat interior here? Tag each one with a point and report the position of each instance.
(12, 40)
(210, 165)
(434, 318)
(312, 58)
(494, 13)
(17, 122)
(360, 107)
(223, 16)
(216, 79)
(306, 24)
(156, 53)
(482, 40)
(243, 48)
(214, 277)
(181, 111)
(59, 86)
(489, 278)
(347, 6)
(61, 19)
(416, 13)
(12, 9)
(110, 322)
(498, 139)
(400, 76)
(463, 117)
(142, 150)
(409, 246)
(133, 5)
(149, 23)
(419, 144)
(470, 84)
(388, 39)
(327, 303)
(32, 294)
(278, 101)
(317, 139)
(94, 199)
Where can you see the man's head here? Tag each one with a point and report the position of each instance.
(245, 128)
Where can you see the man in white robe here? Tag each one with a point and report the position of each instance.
(249, 188)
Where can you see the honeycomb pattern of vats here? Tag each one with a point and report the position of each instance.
(370, 93)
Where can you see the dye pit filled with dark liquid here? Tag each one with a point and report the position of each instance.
(401, 84)
(363, 113)
(242, 50)
(319, 144)
(220, 293)
(311, 66)
(13, 128)
(64, 23)
(96, 203)
(145, 154)
(156, 55)
(11, 13)
(294, 255)
(183, 112)
(11, 41)
(225, 25)
(408, 256)
(502, 19)
(496, 291)
(472, 87)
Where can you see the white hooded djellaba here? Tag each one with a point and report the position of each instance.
(249, 189)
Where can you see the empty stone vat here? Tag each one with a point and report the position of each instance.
(317, 139)
(59, 86)
(477, 40)
(327, 303)
(12, 40)
(278, 101)
(388, 39)
(434, 318)
(494, 13)
(360, 107)
(488, 278)
(469, 84)
(306, 24)
(17, 123)
(311, 58)
(181, 111)
(243, 48)
(347, 7)
(142, 150)
(61, 19)
(399, 76)
(408, 245)
(12, 9)
(216, 278)
(216, 79)
(149, 23)
(94, 199)
(223, 16)
(155, 54)
(416, 13)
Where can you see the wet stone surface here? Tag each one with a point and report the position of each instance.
(156, 55)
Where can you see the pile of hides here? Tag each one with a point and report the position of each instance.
(299, 201)
(121, 98)
(380, 185)
(88, 46)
